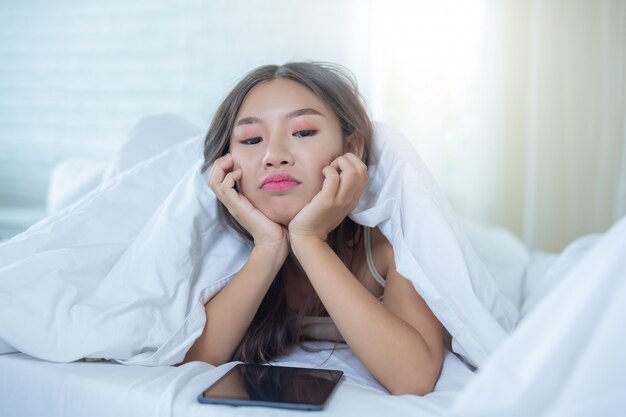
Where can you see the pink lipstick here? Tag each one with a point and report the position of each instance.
(279, 182)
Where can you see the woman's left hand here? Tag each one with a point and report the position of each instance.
(344, 181)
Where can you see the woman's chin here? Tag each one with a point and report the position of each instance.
(280, 211)
(282, 219)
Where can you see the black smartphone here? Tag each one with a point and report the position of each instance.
(273, 386)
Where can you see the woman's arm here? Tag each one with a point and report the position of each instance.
(230, 312)
(400, 342)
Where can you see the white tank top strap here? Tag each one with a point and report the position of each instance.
(370, 258)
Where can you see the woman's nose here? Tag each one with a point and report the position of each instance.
(277, 153)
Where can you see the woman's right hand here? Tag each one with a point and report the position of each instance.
(264, 231)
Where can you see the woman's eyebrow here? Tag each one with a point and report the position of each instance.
(291, 115)
(248, 121)
(302, 112)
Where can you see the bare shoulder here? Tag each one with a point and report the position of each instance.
(382, 252)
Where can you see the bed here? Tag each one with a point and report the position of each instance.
(32, 387)
(562, 357)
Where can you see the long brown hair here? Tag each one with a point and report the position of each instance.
(271, 332)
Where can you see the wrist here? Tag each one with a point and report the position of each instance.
(272, 243)
(306, 235)
(271, 252)
(301, 241)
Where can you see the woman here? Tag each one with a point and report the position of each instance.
(288, 149)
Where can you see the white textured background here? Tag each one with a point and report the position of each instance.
(518, 107)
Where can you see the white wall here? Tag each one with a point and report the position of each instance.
(75, 75)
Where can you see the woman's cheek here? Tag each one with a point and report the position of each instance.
(235, 156)
(242, 184)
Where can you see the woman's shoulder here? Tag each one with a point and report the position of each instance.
(382, 251)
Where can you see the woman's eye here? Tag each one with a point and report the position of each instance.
(251, 141)
(304, 133)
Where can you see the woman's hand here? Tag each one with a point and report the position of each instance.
(344, 181)
(264, 231)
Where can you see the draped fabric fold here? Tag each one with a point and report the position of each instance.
(123, 273)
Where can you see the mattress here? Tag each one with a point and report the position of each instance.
(32, 387)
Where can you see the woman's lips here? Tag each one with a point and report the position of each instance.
(279, 185)
(279, 182)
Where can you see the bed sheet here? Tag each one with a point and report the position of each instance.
(33, 387)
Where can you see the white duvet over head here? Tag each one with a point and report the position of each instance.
(124, 273)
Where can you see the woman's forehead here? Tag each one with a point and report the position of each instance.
(281, 97)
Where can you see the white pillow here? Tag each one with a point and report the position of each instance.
(72, 179)
(504, 255)
(150, 136)
(546, 269)
(6, 348)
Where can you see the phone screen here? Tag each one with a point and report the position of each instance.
(273, 386)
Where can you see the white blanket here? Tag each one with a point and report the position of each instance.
(566, 357)
(124, 273)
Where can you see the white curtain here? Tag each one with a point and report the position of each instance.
(579, 76)
(519, 107)
(560, 99)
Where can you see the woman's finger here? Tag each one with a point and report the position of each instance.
(231, 179)
(236, 203)
(227, 192)
(330, 184)
(345, 163)
(356, 161)
(352, 178)
(220, 168)
(359, 167)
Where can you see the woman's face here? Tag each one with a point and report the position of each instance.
(284, 136)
